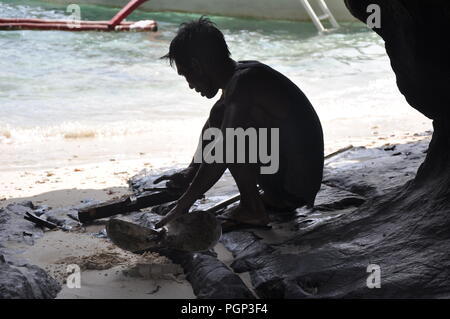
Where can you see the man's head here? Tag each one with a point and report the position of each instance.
(201, 55)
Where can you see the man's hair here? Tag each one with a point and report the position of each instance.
(200, 39)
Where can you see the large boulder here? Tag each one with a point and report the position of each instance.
(416, 40)
(25, 281)
(327, 252)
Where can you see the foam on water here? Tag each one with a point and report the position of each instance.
(96, 88)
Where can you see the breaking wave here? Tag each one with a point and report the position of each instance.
(80, 131)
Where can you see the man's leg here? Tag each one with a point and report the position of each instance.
(276, 197)
(251, 208)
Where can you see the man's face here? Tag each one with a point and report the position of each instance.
(198, 79)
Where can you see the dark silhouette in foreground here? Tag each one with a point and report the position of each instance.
(253, 96)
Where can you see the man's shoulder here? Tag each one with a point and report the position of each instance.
(243, 77)
(248, 77)
(248, 71)
(252, 65)
(254, 70)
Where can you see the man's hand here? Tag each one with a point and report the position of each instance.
(179, 180)
(177, 211)
(206, 176)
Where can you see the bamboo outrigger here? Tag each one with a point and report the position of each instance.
(117, 23)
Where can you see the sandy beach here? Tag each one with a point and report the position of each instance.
(57, 249)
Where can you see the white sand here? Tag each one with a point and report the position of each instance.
(68, 185)
(110, 283)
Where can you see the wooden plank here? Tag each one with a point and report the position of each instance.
(126, 205)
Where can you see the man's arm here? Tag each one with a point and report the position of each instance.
(207, 175)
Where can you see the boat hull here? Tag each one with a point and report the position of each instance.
(261, 9)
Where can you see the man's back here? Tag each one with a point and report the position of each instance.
(274, 101)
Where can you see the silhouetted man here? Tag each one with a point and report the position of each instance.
(254, 96)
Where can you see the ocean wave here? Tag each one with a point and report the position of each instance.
(82, 134)
(5, 133)
(83, 131)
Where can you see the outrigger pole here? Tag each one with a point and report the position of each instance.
(115, 24)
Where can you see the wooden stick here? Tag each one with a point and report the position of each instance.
(129, 204)
(223, 204)
(115, 24)
(53, 26)
(67, 27)
(339, 151)
(39, 221)
(33, 20)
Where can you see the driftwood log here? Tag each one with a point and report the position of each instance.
(126, 205)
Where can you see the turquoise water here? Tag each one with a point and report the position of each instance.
(112, 93)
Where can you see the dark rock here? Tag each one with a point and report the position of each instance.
(409, 225)
(414, 33)
(332, 198)
(244, 246)
(212, 279)
(238, 241)
(367, 171)
(389, 148)
(404, 231)
(411, 253)
(331, 260)
(209, 277)
(13, 225)
(26, 282)
(288, 276)
(18, 279)
(28, 204)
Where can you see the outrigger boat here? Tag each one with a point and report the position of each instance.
(317, 11)
(117, 23)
